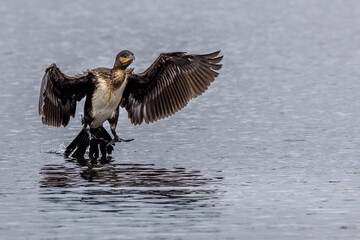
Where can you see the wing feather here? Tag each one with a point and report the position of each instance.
(59, 94)
(168, 85)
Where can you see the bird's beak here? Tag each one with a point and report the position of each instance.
(128, 59)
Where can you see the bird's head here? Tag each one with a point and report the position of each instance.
(124, 59)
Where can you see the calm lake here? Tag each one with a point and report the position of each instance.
(270, 151)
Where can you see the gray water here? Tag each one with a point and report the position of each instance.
(270, 151)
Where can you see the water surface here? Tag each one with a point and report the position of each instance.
(270, 151)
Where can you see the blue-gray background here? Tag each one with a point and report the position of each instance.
(270, 151)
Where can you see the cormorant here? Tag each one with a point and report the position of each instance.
(160, 91)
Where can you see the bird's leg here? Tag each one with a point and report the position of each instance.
(117, 138)
(87, 130)
(92, 137)
(113, 123)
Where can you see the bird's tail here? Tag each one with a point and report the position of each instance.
(79, 145)
(81, 142)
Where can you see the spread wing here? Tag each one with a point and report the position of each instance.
(59, 94)
(168, 85)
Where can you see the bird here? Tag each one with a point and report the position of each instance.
(163, 89)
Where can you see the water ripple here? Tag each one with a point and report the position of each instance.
(117, 187)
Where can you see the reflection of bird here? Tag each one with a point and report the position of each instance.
(162, 90)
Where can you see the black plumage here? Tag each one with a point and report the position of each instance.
(59, 94)
(163, 89)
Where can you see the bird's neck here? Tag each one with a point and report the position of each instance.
(117, 77)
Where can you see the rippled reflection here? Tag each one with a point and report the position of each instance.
(112, 186)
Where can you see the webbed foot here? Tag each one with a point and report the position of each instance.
(117, 139)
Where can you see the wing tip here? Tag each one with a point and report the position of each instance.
(51, 123)
(53, 65)
(214, 58)
(211, 55)
(216, 67)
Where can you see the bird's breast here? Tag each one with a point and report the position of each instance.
(105, 102)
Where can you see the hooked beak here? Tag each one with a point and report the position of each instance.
(129, 59)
